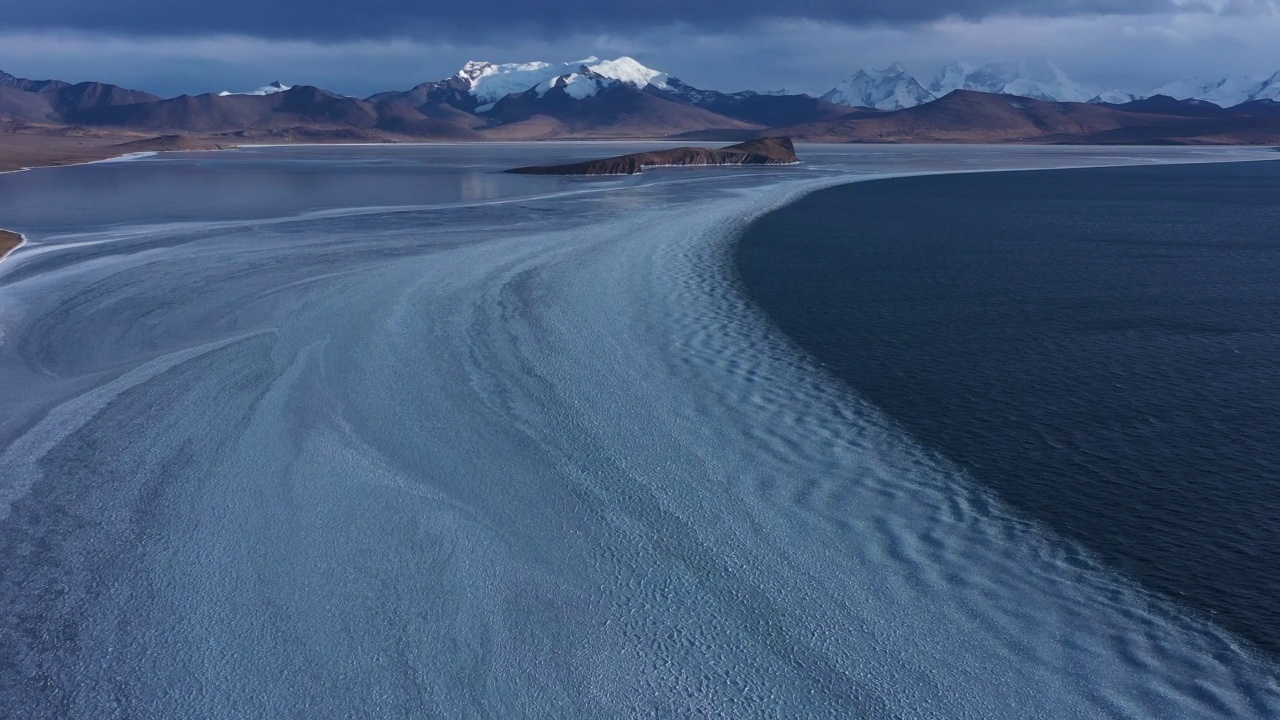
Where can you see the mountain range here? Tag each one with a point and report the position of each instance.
(1225, 92)
(893, 88)
(890, 89)
(620, 98)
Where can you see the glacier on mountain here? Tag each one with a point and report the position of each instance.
(1038, 79)
(490, 82)
(1114, 97)
(892, 88)
(1225, 92)
(1270, 89)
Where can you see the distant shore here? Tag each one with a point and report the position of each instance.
(8, 241)
(28, 151)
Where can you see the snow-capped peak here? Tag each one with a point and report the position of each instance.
(950, 78)
(1270, 89)
(270, 89)
(490, 82)
(475, 71)
(1039, 79)
(1114, 97)
(1224, 92)
(627, 70)
(892, 88)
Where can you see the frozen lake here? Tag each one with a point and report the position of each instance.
(382, 432)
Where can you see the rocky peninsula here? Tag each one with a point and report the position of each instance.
(765, 151)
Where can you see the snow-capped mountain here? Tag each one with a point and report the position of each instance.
(950, 78)
(1225, 92)
(490, 82)
(611, 99)
(892, 88)
(271, 89)
(1270, 89)
(1039, 79)
(1114, 97)
(589, 92)
(495, 93)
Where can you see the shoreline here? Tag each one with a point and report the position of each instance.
(127, 149)
(800, 295)
(10, 241)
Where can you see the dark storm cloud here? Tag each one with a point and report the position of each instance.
(336, 19)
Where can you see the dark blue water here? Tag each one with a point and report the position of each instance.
(1100, 348)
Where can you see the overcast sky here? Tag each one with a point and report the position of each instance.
(802, 45)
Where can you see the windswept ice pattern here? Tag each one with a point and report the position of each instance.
(356, 432)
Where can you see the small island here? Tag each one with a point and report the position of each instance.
(8, 241)
(765, 151)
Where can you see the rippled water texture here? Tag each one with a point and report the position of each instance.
(378, 432)
(1100, 347)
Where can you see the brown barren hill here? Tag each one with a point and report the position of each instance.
(765, 151)
(170, 143)
(972, 117)
(8, 241)
(302, 110)
(966, 116)
(618, 111)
